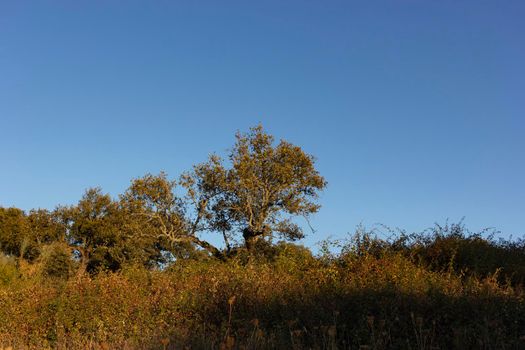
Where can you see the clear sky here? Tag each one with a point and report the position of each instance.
(413, 108)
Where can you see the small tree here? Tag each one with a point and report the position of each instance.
(16, 237)
(257, 192)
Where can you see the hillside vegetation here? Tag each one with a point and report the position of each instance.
(135, 272)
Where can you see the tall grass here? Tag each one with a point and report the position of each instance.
(375, 294)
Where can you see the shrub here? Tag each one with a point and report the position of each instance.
(376, 294)
(8, 270)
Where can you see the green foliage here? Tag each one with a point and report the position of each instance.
(154, 211)
(155, 283)
(103, 238)
(257, 192)
(248, 201)
(45, 226)
(15, 235)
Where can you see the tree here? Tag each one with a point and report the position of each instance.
(15, 234)
(257, 192)
(102, 237)
(155, 211)
(45, 227)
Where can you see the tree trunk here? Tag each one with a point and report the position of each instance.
(83, 261)
(250, 238)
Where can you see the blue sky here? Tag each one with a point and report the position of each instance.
(414, 109)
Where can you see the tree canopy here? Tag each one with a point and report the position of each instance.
(248, 198)
(257, 191)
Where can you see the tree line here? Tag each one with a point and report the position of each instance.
(248, 200)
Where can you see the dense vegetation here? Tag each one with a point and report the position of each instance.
(135, 272)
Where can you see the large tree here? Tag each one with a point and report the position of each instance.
(256, 192)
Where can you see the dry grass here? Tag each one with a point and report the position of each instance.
(293, 301)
